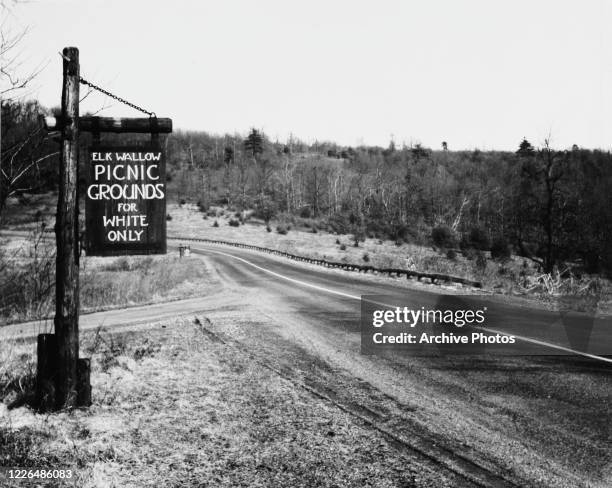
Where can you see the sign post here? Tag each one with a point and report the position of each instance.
(126, 214)
(66, 232)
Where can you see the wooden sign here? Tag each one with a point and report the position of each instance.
(126, 201)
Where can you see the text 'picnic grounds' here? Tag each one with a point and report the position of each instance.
(126, 201)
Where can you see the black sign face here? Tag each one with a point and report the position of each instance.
(126, 201)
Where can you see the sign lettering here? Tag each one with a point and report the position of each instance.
(126, 201)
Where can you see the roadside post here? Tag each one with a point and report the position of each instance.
(184, 251)
(117, 223)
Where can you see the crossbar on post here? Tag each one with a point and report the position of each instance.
(116, 125)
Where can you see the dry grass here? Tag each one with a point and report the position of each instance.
(173, 408)
(104, 282)
(25, 213)
(17, 373)
(188, 221)
(123, 281)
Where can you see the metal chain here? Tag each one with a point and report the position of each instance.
(119, 99)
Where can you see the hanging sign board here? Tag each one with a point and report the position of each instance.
(126, 201)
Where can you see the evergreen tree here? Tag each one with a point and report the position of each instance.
(254, 143)
(525, 149)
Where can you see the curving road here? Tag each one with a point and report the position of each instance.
(537, 331)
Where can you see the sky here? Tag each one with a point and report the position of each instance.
(475, 73)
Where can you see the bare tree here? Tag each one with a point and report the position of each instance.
(14, 79)
(23, 143)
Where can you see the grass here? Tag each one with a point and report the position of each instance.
(17, 374)
(187, 221)
(173, 408)
(28, 211)
(141, 279)
(107, 282)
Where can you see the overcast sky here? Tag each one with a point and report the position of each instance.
(475, 73)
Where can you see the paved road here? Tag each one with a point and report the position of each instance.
(538, 331)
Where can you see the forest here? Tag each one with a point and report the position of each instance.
(550, 205)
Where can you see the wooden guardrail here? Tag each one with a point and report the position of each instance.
(419, 275)
(434, 278)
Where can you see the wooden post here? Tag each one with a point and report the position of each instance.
(46, 372)
(84, 384)
(66, 231)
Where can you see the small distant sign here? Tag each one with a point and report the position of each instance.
(126, 201)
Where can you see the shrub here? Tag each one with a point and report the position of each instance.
(215, 224)
(343, 247)
(314, 229)
(468, 253)
(451, 254)
(234, 223)
(500, 249)
(305, 212)
(282, 229)
(182, 202)
(358, 235)
(478, 239)
(222, 200)
(481, 261)
(265, 209)
(337, 241)
(168, 217)
(339, 223)
(400, 232)
(24, 200)
(443, 236)
(366, 257)
(268, 228)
